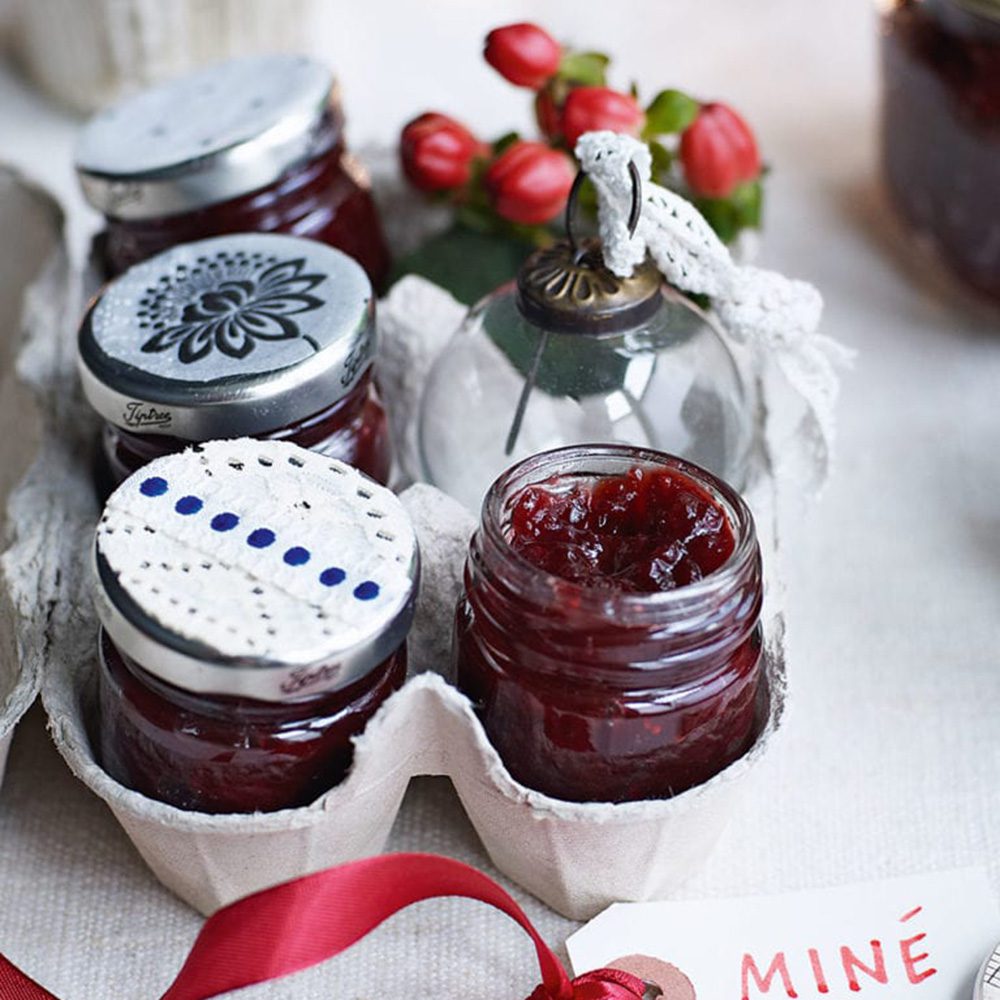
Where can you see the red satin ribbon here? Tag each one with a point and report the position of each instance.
(310, 919)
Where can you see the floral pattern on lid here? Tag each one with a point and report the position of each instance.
(228, 336)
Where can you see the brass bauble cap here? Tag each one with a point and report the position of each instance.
(569, 289)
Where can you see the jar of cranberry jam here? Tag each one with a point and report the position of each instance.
(254, 600)
(252, 335)
(609, 636)
(254, 144)
(941, 130)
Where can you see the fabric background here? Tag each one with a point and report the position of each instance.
(891, 755)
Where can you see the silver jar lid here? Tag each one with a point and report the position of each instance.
(255, 569)
(228, 336)
(207, 137)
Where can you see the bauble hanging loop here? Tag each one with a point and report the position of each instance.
(634, 211)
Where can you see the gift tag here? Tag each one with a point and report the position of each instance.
(920, 936)
(988, 981)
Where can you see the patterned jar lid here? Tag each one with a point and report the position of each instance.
(207, 137)
(255, 568)
(228, 336)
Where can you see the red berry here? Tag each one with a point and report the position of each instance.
(437, 152)
(588, 109)
(524, 54)
(529, 182)
(718, 152)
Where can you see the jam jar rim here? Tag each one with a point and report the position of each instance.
(250, 404)
(536, 583)
(306, 132)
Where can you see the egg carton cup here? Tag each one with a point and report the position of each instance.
(576, 857)
(39, 266)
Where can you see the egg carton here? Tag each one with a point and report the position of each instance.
(38, 266)
(576, 857)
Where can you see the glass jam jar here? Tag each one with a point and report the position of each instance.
(941, 130)
(252, 335)
(253, 144)
(609, 636)
(254, 600)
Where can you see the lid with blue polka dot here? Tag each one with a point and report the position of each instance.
(257, 569)
(229, 336)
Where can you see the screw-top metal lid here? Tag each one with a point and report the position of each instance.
(255, 568)
(568, 289)
(207, 137)
(229, 336)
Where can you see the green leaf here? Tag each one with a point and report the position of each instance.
(741, 210)
(476, 216)
(663, 159)
(585, 68)
(508, 139)
(721, 215)
(748, 201)
(468, 263)
(669, 112)
(571, 365)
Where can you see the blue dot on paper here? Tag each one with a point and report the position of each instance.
(225, 521)
(188, 505)
(366, 591)
(296, 556)
(260, 538)
(155, 486)
(332, 576)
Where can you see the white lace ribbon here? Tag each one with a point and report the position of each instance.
(776, 316)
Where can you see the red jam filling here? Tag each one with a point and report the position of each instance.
(317, 200)
(354, 430)
(646, 531)
(604, 688)
(221, 754)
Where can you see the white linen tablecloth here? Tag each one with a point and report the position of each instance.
(891, 758)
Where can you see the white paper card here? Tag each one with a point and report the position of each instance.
(921, 937)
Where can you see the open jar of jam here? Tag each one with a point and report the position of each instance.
(941, 130)
(254, 600)
(253, 144)
(250, 335)
(609, 636)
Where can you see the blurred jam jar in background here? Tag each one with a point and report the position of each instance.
(941, 130)
(250, 145)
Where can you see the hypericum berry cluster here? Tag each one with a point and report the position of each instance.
(706, 151)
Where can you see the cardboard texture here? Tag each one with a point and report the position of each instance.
(577, 858)
(37, 220)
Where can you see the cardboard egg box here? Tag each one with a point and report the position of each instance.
(576, 857)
